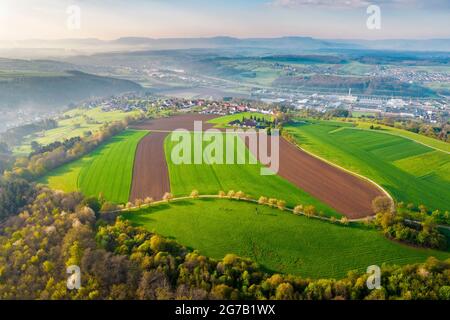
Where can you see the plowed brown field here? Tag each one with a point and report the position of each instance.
(347, 193)
(341, 190)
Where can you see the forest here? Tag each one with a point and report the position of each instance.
(55, 230)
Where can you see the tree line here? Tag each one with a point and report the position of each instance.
(46, 158)
(435, 131)
(439, 130)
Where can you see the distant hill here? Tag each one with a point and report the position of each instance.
(401, 44)
(78, 46)
(45, 90)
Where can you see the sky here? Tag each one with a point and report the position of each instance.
(328, 19)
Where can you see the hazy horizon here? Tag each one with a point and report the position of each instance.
(322, 19)
(223, 36)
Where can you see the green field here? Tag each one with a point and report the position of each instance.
(279, 241)
(223, 121)
(211, 178)
(361, 114)
(409, 171)
(73, 123)
(356, 68)
(107, 170)
(431, 142)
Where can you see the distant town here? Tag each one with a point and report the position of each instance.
(263, 101)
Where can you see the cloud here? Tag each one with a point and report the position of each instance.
(425, 4)
(319, 3)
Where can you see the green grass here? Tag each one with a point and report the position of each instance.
(361, 114)
(72, 125)
(431, 142)
(356, 68)
(7, 75)
(107, 170)
(409, 171)
(223, 121)
(279, 241)
(211, 178)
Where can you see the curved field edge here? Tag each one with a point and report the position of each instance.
(278, 240)
(211, 178)
(386, 193)
(409, 171)
(107, 170)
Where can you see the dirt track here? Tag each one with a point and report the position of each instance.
(341, 190)
(150, 173)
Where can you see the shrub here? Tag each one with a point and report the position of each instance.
(93, 203)
(138, 202)
(194, 194)
(381, 204)
(168, 197)
(109, 207)
(273, 202)
(239, 195)
(262, 200)
(298, 209)
(310, 211)
(281, 204)
(344, 221)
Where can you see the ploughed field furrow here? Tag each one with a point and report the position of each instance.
(347, 193)
(150, 172)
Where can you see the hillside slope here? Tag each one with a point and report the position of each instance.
(43, 90)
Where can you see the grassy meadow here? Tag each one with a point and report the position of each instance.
(409, 171)
(72, 124)
(279, 241)
(107, 170)
(431, 142)
(225, 120)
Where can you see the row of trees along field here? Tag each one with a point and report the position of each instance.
(47, 158)
(119, 261)
(410, 224)
(437, 131)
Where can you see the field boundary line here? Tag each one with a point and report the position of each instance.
(387, 194)
(249, 200)
(211, 196)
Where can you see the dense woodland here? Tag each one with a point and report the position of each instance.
(119, 261)
(408, 226)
